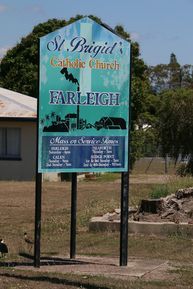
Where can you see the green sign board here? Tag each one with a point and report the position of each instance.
(84, 99)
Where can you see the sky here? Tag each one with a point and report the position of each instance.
(161, 27)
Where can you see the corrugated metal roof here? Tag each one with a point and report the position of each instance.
(14, 104)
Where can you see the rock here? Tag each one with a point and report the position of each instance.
(174, 204)
(114, 217)
(118, 211)
(189, 212)
(184, 193)
(175, 208)
(136, 217)
(167, 213)
(166, 199)
(132, 210)
(106, 217)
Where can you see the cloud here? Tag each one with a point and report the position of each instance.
(149, 36)
(3, 8)
(37, 9)
(3, 51)
(174, 38)
(134, 36)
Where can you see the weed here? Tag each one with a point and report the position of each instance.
(159, 191)
(173, 184)
(108, 177)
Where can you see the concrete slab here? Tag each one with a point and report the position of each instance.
(108, 267)
(97, 224)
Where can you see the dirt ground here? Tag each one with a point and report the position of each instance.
(89, 272)
(145, 269)
(150, 179)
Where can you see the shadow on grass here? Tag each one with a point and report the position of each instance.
(44, 261)
(27, 256)
(53, 280)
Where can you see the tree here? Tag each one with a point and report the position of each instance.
(176, 124)
(19, 69)
(171, 75)
(143, 104)
(174, 73)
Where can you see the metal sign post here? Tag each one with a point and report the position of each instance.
(125, 190)
(38, 201)
(73, 216)
(124, 219)
(38, 190)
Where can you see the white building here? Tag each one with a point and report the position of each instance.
(18, 114)
(18, 117)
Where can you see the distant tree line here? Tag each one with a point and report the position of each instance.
(170, 76)
(172, 84)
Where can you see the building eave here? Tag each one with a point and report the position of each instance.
(18, 119)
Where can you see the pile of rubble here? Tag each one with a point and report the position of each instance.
(176, 208)
(115, 215)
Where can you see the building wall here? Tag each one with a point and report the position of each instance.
(24, 169)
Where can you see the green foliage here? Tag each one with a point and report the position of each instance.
(137, 144)
(170, 76)
(19, 67)
(159, 191)
(19, 72)
(173, 184)
(144, 136)
(107, 177)
(173, 85)
(181, 170)
(176, 122)
(143, 115)
(185, 169)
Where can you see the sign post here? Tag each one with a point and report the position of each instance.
(124, 219)
(38, 193)
(84, 103)
(37, 238)
(73, 216)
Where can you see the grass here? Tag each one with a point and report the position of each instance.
(182, 278)
(107, 177)
(159, 191)
(17, 216)
(95, 197)
(153, 166)
(163, 190)
(18, 279)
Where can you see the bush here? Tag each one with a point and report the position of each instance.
(159, 191)
(185, 170)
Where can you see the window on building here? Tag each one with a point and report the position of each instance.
(10, 143)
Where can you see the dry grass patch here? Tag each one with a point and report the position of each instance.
(94, 198)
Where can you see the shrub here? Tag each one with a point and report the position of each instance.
(184, 170)
(159, 191)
